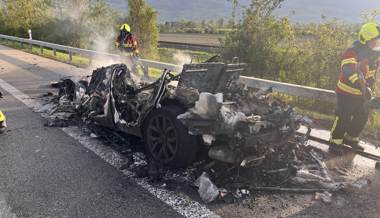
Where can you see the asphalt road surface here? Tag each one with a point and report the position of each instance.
(58, 172)
(46, 173)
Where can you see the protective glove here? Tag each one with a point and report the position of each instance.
(369, 94)
(136, 53)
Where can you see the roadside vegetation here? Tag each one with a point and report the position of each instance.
(307, 54)
(90, 24)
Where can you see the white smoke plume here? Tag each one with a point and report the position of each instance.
(180, 58)
(97, 24)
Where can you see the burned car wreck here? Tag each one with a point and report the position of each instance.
(243, 139)
(202, 109)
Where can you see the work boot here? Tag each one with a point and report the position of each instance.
(335, 147)
(353, 144)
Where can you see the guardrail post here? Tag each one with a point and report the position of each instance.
(90, 60)
(21, 44)
(31, 47)
(146, 71)
(70, 56)
(55, 52)
(41, 49)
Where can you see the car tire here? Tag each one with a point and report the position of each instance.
(167, 140)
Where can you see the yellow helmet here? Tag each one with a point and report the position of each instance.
(125, 27)
(368, 32)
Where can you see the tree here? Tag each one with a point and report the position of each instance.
(257, 40)
(21, 15)
(143, 21)
(221, 23)
(85, 24)
(275, 49)
(235, 4)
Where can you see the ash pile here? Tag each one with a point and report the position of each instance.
(233, 139)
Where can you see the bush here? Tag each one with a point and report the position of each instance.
(278, 50)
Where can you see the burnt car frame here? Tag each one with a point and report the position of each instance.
(178, 114)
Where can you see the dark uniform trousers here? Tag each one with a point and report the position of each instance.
(351, 116)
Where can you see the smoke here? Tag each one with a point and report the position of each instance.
(180, 58)
(88, 23)
(104, 42)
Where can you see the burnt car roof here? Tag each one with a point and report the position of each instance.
(210, 77)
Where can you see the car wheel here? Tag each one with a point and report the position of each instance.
(167, 140)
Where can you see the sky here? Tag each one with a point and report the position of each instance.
(298, 10)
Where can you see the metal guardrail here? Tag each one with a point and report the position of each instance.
(291, 89)
(92, 55)
(188, 46)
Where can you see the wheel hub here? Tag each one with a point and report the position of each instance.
(162, 139)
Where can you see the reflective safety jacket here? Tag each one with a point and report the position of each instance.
(127, 41)
(357, 62)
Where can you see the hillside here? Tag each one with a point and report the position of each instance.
(304, 10)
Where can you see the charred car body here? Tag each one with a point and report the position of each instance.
(202, 108)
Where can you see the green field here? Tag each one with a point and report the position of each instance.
(192, 38)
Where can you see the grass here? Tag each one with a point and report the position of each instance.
(192, 38)
(312, 109)
(171, 55)
(155, 73)
(77, 60)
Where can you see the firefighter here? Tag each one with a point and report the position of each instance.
(3, 122)
(355, 86)
(126, 42)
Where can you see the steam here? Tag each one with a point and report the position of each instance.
(104, 43)
(96, 25)
(180, 58)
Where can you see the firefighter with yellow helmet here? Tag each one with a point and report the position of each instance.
(3, 122)
(126, 41)
(359, 66)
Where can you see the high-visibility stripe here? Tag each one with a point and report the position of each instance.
(348, 89)
(337, 141)
(334, 125)
(349, 61)
(353, 78)
(348, 137)
(2, 117)
(370, 74)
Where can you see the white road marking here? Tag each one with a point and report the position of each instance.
(182, 204)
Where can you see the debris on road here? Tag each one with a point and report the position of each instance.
(361, 183)
(279, 189)
(377, 165)
(325, 197)
(207, 190)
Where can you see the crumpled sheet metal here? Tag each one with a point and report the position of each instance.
(237, 134)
